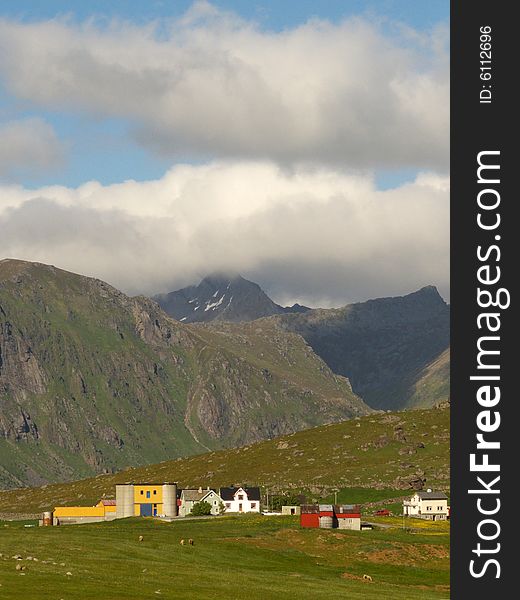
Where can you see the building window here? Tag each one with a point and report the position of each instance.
(141, 492)
(228, 504)
(215, 502)
(148, 494)
(241, 497)
(154, 492)
(439, 507)
(428, 508)
(253, 504)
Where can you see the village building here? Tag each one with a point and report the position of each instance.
(241, 499)
(188, 499)
(105, 510)
(291, 510)
(427, 505)
(329, 516)
(348, 516)
(146, 500)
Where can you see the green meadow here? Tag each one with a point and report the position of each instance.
(257, 557)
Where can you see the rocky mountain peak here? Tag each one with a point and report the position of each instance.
(223, 297)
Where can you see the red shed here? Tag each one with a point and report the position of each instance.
(310, 515)
(310, 520)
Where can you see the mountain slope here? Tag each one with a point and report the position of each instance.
(432, 384)
(92, 380)
(383, 346)
(380, 451)
(221, 297)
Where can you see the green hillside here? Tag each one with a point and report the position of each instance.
(381, 451)
(92, 381)
(432, 384)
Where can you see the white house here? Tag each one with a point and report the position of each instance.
(241, 499)
(427, 505)
(190, 497)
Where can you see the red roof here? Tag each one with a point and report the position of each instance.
(108, 502)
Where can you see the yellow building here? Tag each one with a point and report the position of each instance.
(146, 500)
(104, 510)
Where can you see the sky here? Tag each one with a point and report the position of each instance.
(304, 144)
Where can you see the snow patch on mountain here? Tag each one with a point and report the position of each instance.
(214, 305)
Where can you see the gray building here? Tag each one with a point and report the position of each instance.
(191, 497)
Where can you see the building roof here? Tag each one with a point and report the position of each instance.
(432, 496)
(347, 508)
(228, 493)
(148, 483)
(193, 495)
(108, 502)
(196, 495)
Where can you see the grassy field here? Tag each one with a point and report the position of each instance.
(356, 454)
(260, 556)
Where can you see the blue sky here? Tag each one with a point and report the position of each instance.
(276, 15)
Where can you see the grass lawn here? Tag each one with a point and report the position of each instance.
(261, 557)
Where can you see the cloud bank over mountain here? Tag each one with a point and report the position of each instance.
(315, 236)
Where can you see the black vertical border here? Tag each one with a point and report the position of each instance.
(476, 127)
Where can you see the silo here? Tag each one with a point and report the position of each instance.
(47, 518)
(169, 494)
(124, 501)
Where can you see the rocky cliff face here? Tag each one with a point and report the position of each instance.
(92, 381)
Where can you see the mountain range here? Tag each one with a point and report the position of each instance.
(92, 380)
(394, 351)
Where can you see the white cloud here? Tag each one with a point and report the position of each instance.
(318, 236)
(213, 85)
(29, 145)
